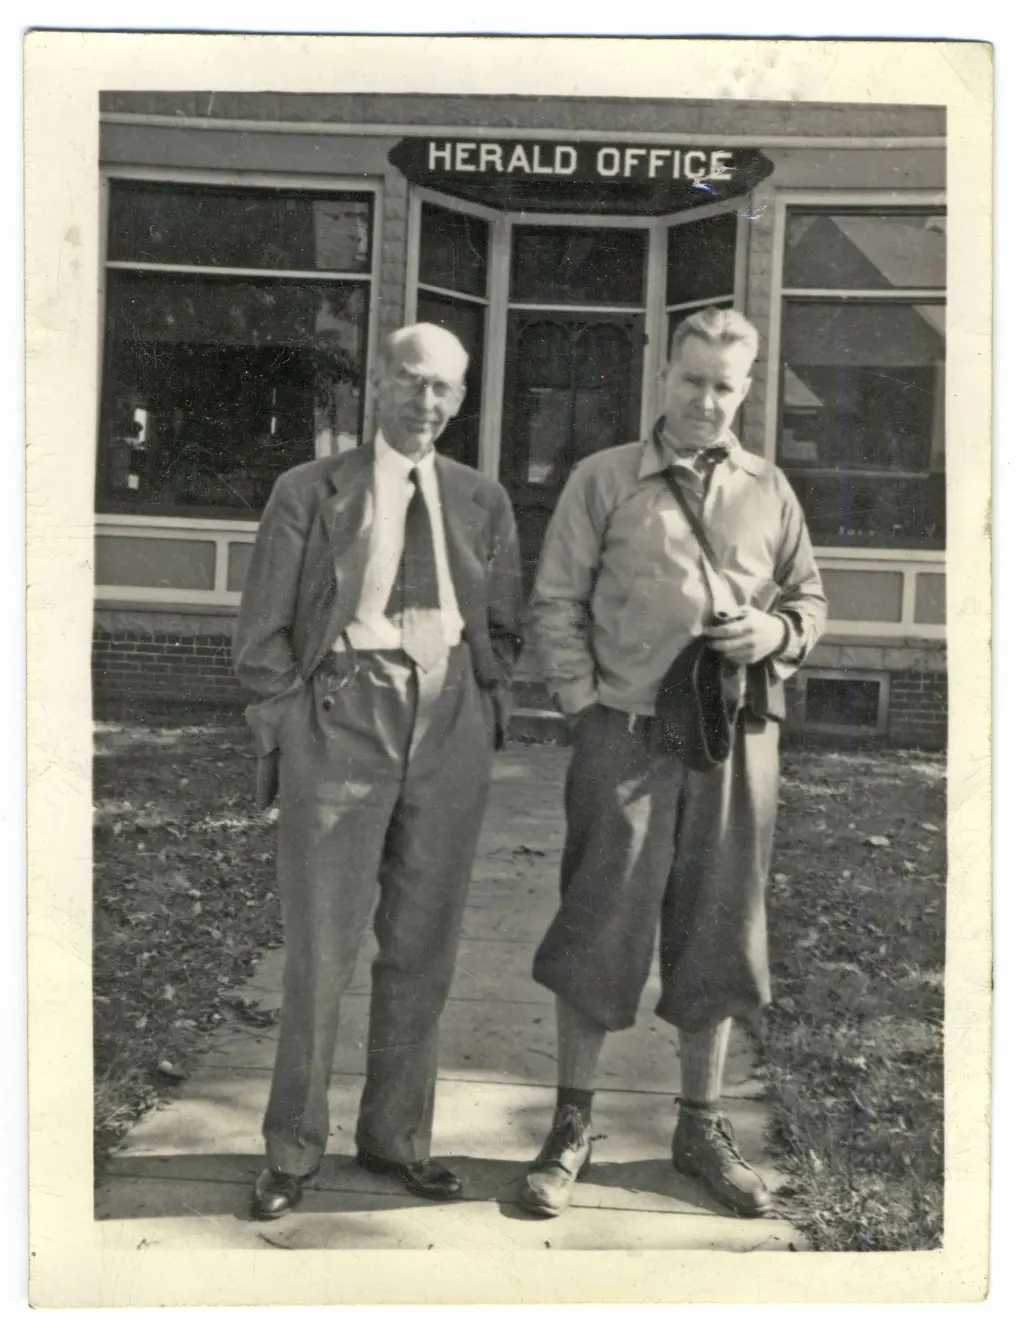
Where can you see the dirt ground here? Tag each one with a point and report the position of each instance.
(851, 1048)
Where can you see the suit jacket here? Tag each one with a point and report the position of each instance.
(306, 577)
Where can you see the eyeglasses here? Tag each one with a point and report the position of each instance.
(413, 385)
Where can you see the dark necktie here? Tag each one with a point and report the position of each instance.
(711, 456)
(415, 600)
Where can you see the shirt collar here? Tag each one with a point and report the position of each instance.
(397, 463)
(655, 457)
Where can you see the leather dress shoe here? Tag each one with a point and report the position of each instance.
(276, 1193)
(427, 1179)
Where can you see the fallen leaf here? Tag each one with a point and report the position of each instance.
(877, 840)
(274, 1244)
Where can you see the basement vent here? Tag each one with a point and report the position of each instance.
(843, 702)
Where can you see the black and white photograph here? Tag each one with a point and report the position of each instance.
(518, 666)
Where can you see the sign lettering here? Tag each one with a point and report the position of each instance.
(568, 175)
(573, 161)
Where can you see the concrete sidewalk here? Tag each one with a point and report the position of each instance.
(183, 1176)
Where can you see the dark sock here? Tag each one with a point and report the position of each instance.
(696, 1106)
(582, 1100)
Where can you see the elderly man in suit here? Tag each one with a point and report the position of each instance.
(379, 624)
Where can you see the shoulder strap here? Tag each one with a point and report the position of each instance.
(723, 599)
(693, 520)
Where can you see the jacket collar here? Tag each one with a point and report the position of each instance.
(654, 457)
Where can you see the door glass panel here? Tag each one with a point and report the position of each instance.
(574, 393)
(602, 365)
(453, 250)
(548, 413)
(544, 397)
(701, 259)
(578, 266)
(572, 387)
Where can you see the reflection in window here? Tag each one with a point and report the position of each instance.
(862, 378)
(578, 265)
(214, 383)
(209, 226)
(213, 388)
(453, 250)
(862, 413)
(865, 251)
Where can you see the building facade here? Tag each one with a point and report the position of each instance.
(259, 246)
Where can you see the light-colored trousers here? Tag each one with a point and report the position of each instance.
(384, 778)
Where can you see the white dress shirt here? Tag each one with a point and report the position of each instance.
(390, 495)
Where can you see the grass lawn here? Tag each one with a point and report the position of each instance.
(851, 1050)
(852, 1045)
(184, 903)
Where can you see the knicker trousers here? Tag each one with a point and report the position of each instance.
(651, 843)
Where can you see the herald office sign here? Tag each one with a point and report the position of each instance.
(723, 172)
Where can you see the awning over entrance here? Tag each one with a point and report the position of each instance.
(580, 177)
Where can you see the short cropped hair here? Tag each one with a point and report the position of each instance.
(723, 328)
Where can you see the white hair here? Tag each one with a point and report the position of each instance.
(420, 333)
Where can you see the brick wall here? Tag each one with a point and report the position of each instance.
(184, 667)
(918, 708)
(190, 667)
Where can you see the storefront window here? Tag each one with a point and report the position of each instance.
(861, 421)
(235, 338)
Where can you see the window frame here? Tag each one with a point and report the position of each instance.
(893, 202)
(251, 180)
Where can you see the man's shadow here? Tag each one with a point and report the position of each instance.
(208, 1185)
